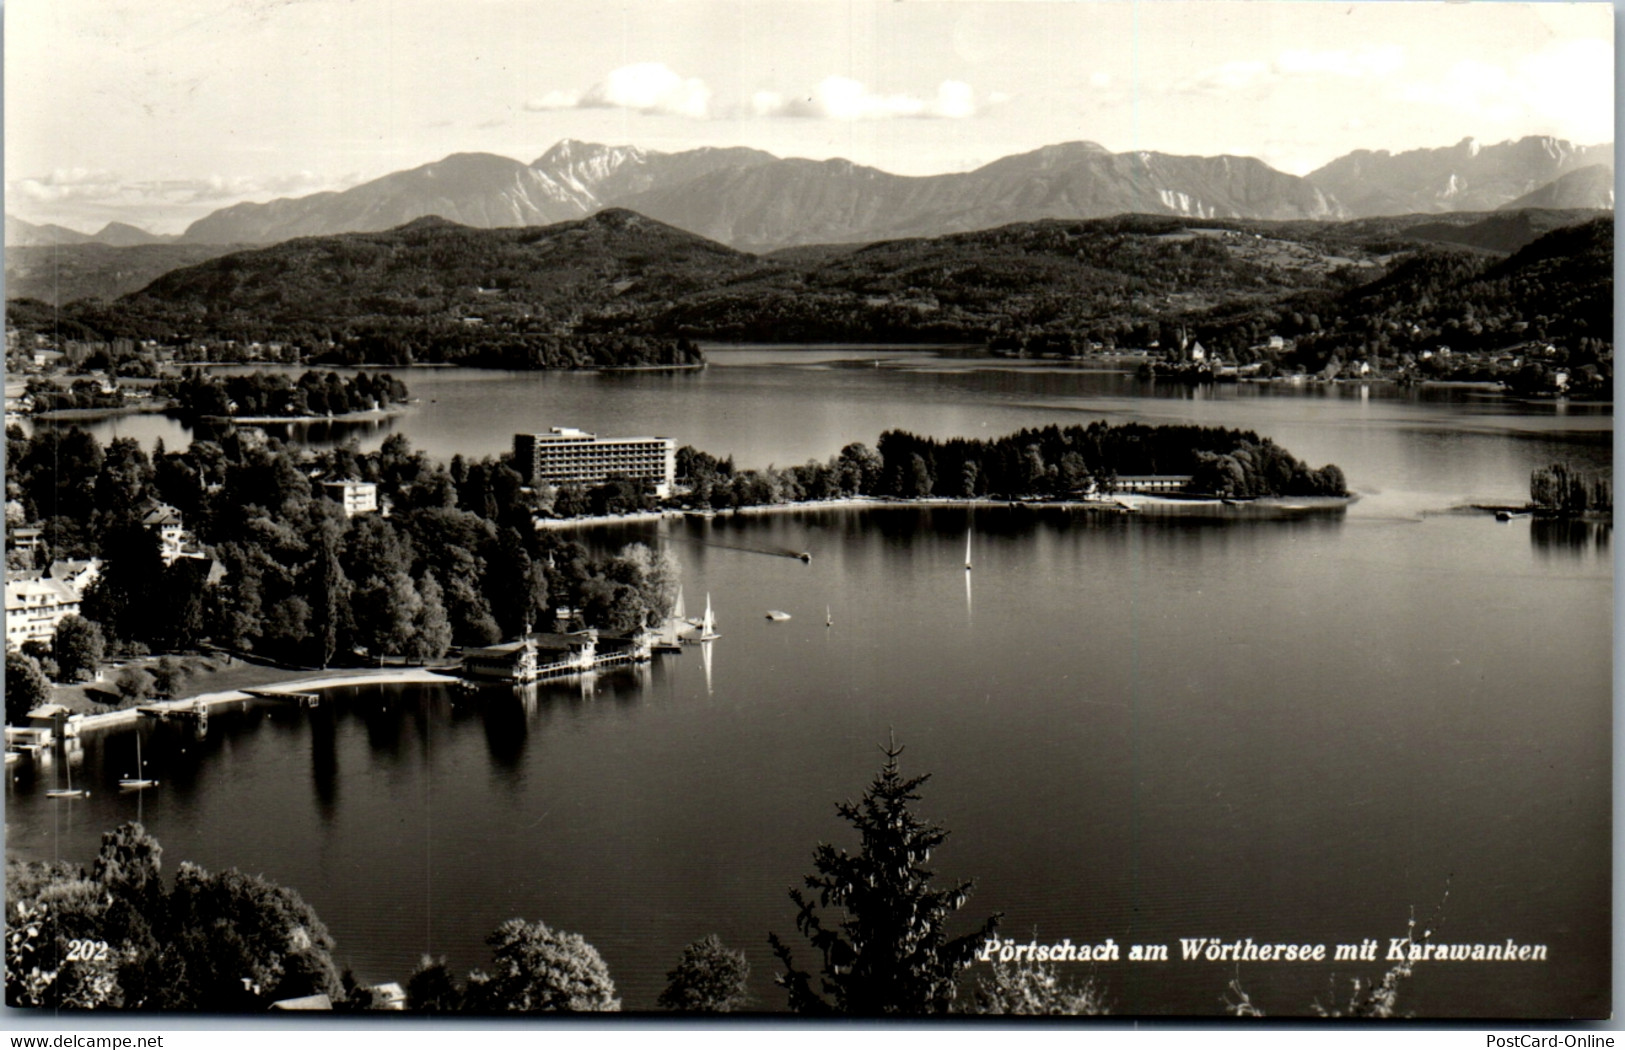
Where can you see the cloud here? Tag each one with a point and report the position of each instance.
(554, 100)
(81, 186)
(1567, 88)
(842, 98)
(646, 87)
(1292, 65)
(65, 184)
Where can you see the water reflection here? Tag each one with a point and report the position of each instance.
(1570, 537)
(322, 433)
(506, 724)
(324, 758)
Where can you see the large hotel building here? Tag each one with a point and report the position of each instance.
(565, 456)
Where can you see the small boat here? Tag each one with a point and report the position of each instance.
(777, 615)
(967, 550)
(708, 626)
(806, 557)
(829, 621)
(69, 791)
(139, 781)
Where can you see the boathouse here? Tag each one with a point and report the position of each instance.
(562, 654)
(536, 655)
(508, 662)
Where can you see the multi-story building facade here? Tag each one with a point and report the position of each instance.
(34, 607)
(566, 456)
(356, 497)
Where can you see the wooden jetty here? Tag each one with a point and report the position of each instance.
(302, 699)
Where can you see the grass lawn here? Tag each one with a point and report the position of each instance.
(213, 673)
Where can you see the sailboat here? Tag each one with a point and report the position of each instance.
(829, 620)
(69, 791)
(682, 628)
(139, 781)
(708, 626)
(967, 550)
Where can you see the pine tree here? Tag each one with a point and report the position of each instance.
(890, 953)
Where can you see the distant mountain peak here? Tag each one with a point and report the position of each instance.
(566, 152)
(1468, 176)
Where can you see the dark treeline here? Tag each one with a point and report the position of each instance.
(1050, 461)
(49, 396)
(196, 394)
(506, 346)
(457, 561)
(1568, 492)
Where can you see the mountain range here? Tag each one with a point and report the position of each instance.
(20, 234)
(755, 201)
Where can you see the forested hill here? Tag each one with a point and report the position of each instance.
(1558, 288)
(436, 291)
(434, 268)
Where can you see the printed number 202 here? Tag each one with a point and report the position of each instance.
(87, 951)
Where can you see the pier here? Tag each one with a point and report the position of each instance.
(542, 656)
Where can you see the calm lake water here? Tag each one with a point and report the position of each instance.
(1139, 729)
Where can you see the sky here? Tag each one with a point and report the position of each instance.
(157, 112)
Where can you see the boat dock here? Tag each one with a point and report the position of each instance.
(190, 712)
(303, 699)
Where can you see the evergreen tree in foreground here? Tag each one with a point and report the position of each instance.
(890, 954)
(710, 978)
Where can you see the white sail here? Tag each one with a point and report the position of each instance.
(680, 611)
(708, 626)
(967, 550)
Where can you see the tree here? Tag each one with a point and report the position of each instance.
(26, 687)
(214, 942)
(890, 954)
(130, 861)
(79, 647)
(709, 979)
(168, 676)
(431, 631)
(133, 683)
(537, 968)
(432, 988)
(241, 942)
(1035, 989)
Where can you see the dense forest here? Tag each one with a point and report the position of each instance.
(196, 394)
(1048, 462)
(458, 560)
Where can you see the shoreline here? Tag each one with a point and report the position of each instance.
(299, 682)
(73, 414)
(260, 421)
(1120, 503)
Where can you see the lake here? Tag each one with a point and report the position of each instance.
(1138, 728)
